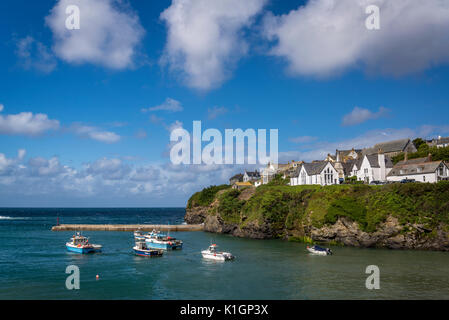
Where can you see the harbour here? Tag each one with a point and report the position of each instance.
(128, 227)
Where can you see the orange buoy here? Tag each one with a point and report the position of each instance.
(97, 277)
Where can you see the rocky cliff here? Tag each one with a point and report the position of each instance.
(399, 216)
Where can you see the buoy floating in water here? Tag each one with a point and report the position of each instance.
(97, 277)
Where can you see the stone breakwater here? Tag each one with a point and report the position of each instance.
(127, 227)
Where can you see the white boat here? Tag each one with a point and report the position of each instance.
(213, 254)
(139, 236)
(319, 251)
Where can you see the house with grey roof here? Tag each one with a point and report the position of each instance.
(372, 167)
(421, 169)
(391, 148)
(318, 172)
(440, 142)
(236, 178)
(251, 176)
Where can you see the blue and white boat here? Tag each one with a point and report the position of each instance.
(80, 244)
(158, 240)
(138, 236)
(141, 249)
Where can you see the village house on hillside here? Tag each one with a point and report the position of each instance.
(319, 172)
(272, 169)
(421, 169)
(372, 167)
(251, 176)
(343, 161)
(392, 148)
(237, 178)
(440, 142)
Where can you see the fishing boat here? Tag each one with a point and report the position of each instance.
(212, 254)
(319, 251)
(139, 236)
(141, 249)
(158, 240)
(80, 244)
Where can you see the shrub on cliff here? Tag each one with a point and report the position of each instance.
(206, 196)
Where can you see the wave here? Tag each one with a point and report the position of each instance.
(13, 218)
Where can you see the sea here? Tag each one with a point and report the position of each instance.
(33, 263)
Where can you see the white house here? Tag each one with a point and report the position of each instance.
(373, 167)
(421, 169)
(251, 176)
(319, 172)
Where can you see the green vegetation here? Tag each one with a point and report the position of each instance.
(294, 208)
(423, 151)
(278, 180)
(206, 196)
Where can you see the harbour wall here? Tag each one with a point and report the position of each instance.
(127, 227)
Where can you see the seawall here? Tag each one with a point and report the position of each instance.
(127, 227)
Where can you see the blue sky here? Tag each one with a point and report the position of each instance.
(308, 68)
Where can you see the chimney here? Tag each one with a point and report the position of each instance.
(429, 157)
(406, 156)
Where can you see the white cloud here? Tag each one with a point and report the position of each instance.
(1, 107)
(169, 104)
(108, 36)
(205, 38)
(26, 123)
(35, 55)
(95, 133)
(325, 37)
(213, 113)
(360, 115)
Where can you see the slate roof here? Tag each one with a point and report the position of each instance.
(253, 174)
(410, 167)
(390, 146)
(295, 172)
(238, 177)
(374, 161)
(315, 167)
(347, 166)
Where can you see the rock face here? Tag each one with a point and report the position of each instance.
(330, 215)
(390, 233)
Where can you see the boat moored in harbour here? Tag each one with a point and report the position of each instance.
(319, 251)
(212, 254)
(80, 244)
(141, 249)
(158, 240)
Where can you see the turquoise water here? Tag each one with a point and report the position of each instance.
(33, 260)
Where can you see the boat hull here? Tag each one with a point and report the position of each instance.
(82, 250)
(148, 253)
(317, 252)
(217, 257)
(163, 245)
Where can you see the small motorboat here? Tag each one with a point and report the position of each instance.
(141, 249)
(319, 251)
(213, 254)
(158, 240)
(80, 244)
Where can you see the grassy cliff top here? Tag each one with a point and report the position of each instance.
(286, 207)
